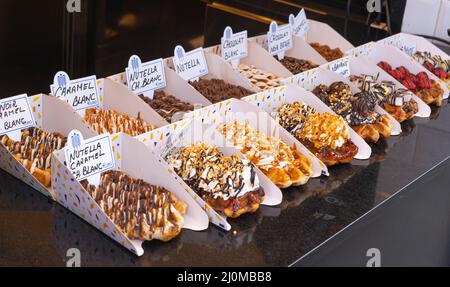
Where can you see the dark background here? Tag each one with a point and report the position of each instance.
(39, 38)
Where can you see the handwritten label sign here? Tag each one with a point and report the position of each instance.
(341, 66)
(144, 78)
(80, 93)
(191, 65)
(299, 24)
(234, 46)
(408, 48)
(279, 39)
(88, 158)
(15, 114)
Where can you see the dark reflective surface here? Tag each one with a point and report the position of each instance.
(35, 231)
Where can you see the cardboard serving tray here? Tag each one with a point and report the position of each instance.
(422, 45)
(236, 110)
(135, 159)
(118, 97)
(48, 112)
(359, 66)
(192, 131)
(310, 79)
(175, 85)
(323, 34)
(376, 52)
(272, 99)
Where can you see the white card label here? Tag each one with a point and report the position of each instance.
(279, 39)
(299, 24)
(80, 93)
(341, 66)
(15, 114)
(145, 77)
(190, 65)
(86, 158)
(234, 46)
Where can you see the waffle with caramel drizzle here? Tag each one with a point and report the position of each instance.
(228, 184)
(108, 121)
(325, 134)
(34, 151)
(141, 210)
(358, 110)
(283, 165)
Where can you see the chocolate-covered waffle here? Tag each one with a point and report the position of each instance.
(283, 165)
(358, 110)
(326, 52)
(228, 184)
(296, 66)
(325, 134)
(141, 210)
(259, 78)
(397, 102)
(435, 64)
(108, 121)
(217, 90)
(167, 105)
(34, 151)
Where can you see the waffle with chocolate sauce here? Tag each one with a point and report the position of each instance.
(260, 79)
(109, 121)
(141, 210)
(167, 105)
(325, 134)
(216, 90)
(283, 165)
(34, 151)
(296, 66)
(228, 184)
(397, 102)
(358, 110)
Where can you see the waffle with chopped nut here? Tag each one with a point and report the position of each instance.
(283, 165)
(141, 210)
(34, 151)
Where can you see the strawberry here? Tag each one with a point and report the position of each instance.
(409, 84)
(403, 71)
(428, 66)
(396, 75)
(440, 73)
(424, 81)
(385, 66)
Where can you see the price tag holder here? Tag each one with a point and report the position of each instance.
(190, 65)
(299, 24)
(87, 159)
(79, 93)
(145, 78)
(234, 46)
(341, 66)
(279, 39)
(15, 115)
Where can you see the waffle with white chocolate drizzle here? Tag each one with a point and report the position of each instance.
(358, 110)
(141, 210)
(260, 79)
(325, 134)
(34, 151)
(109, 121)
(397, 102)
(228, 184)
(283, 165)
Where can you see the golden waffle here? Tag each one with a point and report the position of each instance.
(34, 151)
(108, 121)
(141, 210)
